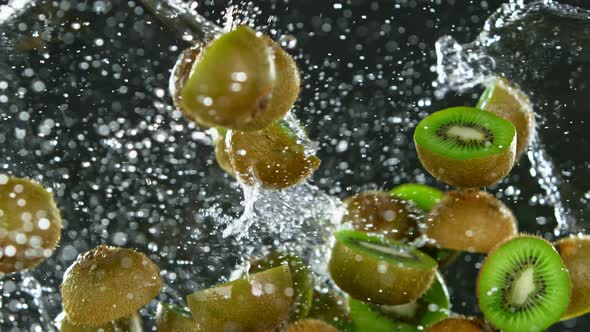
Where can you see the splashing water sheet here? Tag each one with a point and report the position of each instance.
(86, 110)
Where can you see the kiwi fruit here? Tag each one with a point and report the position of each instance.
(430, 308)
(509, 102)
(174, 318)
(221, 152)
(466, 147)
(380, 271)
(424, 197)
(470, 220)
(575, 252)
(460, 324)
(380, 212)
(30, 224)
(271, 158)
(332, 307)
(108, 283)
(523, 285)
(125, 324)
(241, 80)
(302, 280)
(259, 302)
(310, 325)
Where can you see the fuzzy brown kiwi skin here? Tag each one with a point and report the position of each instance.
(181, 72)
(310, 325)
(459, 212)
(575, 252)
(460, 324)
(468, 173)
(366, 212)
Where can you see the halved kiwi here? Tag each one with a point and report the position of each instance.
(242, 81)
(466, 147)
(271, 158)
(30, 224)
(523, 285)
(509, 102)
(430, 308)
(302, 281)
(259, 302)
(108, 283)
(125, 324)
(380, 271)
(310, 325)
(460, 324)
(575, 252)
(174, 318)
(470, 220)
(331, 307)
(380, 212)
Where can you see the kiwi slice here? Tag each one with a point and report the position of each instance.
(108, 283)
(575, 252)
(380, 212)
(331, 307)
(460, 324)
(466, 147)
(30, 224)
(310, 325)
(470, 220)
(174, 318)
(430, 308)
(125, 324)
(259, 302)
(380, 271)
(523, 285)
(424, 197)
(271, 158)
(242, 81)
(509, 102)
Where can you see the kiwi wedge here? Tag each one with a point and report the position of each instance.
(241, 80)
(575, 252)
(430, 308)
(302, 280)
(271, 158)
(470, 220)
(466, 147)
(331, 307)
(174, 318)
(125, 324)
(30, 224)
(523, 285)
(509, 102)
(108, 283)
(310, 325)
(460, 324)
(424, 197)
(380, 271)
(259, 302)
(381, 213)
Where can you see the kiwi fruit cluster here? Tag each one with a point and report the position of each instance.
(242, 84)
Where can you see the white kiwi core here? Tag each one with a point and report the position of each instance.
(466, 133)
(524, 286)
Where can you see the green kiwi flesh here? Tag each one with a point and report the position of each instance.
(302, 281)
(170, 317)
(523, 285)
(466, 147)
(575, 252)
(380, 271)
(258, 302)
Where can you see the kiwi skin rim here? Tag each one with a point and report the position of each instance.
(575, 252)
(460, 324)
(371, 278)
(473, 212)
(468, 173)
(310, 325)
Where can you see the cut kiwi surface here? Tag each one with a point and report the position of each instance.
(423, 196)
(523, 285)
(466, 147)
(310, 325)
(108, 283)
(259, 302)
(575, 252)
(430, 308)
(30, 224)
(460, 324)
(174, 318)
(509, 102)
(271, 158)
(125, 324)
(470, 220)
(381, 213)
(380, 271)
(302, 280)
